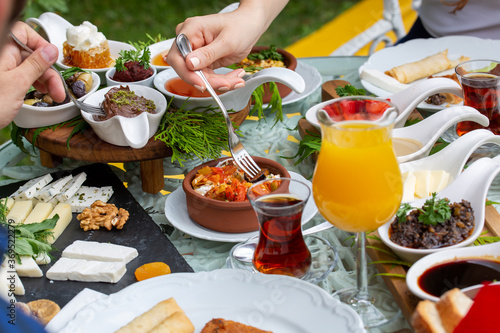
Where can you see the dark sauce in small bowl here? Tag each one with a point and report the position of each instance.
(460, 274)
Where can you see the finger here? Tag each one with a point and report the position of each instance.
(228, 81)
(175, 59)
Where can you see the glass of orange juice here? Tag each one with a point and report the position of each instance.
(357, 184)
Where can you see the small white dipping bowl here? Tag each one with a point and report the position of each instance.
(121, 131)
(471, 185)
(158, 48)
(30, 116)
(146, 82)
(489, 251)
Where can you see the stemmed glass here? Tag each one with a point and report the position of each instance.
(357, 183)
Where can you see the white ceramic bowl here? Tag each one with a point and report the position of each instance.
(121, 131)
(146, 82)
(54, 27)
(491, 251)
(235, 100)
(158, 48)
(34, 116)
(471, 185)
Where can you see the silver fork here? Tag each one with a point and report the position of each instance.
(84, 107)
(241, 157)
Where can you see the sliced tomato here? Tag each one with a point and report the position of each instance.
(334, 111)
(348, 108)
(376, 107)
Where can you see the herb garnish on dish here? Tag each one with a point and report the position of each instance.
(133, 65)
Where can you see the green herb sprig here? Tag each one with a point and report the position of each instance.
(270, 53)
(433, 211)
(141, 55)
(349, 90)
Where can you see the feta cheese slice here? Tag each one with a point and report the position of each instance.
(86, 270)
(71, 187)
(89, 250)
(86, 196)
(52, 189)
(28, 267)
(28, 190)
(383, 81)
(39, 213)
(19, 211)
(65, 217)
(10, 281)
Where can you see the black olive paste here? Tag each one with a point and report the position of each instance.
(124, 102)
(414, 234)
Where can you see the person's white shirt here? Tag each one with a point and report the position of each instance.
(480, 18)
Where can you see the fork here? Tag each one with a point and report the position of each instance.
(240, 155)
(84, 107)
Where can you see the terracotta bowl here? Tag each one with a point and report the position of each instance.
(290, 63)
(230, 217)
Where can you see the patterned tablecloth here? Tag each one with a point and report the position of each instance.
(261, 138)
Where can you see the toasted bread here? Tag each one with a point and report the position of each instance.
(452, 307)
(426, 318)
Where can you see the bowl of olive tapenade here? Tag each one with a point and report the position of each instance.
(133, 114)
(39, 110)
(438, 224)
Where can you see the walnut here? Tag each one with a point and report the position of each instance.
(101, 214)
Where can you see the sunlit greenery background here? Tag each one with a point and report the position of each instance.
(131, 20)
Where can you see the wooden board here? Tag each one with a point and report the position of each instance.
(140, 232)
(406, 300)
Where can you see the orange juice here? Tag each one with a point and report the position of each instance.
(357, 183)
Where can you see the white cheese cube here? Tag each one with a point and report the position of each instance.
(28, 190)
(409, 182)
(99, 251)
(88, 195)
(8, 202)
(52, 189)
(19, 211)
(65, 217)
(10, 282)
(423, 183)
(71, 187)
(28, 267)
(439, 180)
(42, 258)
(86, 270)
(39, 213)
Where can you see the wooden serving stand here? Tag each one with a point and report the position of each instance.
(87, 146)
(376, 249)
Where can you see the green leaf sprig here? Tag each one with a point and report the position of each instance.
(349, 90)
(270, 53)
(275, 104)
(433, 211)
(142, 54)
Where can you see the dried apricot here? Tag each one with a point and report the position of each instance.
(150, 270)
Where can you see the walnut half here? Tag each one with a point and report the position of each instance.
(101, 214)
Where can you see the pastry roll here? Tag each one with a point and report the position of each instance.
(176, 323)
(419, 69)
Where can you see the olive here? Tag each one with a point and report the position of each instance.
(37, 94)
(87, 79)
(41, 104)
(78, 88)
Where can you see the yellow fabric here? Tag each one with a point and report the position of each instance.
(346, 26)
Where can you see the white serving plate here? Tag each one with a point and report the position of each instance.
(277, 303)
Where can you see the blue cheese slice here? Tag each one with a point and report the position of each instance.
(19, 211)
(71, 187)
(89, 250)
(52, 189)
(86, 270)
(28, 190)
(28, 267)
(86, 196)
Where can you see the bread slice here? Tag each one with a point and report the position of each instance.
(426, 318)
(452, 307)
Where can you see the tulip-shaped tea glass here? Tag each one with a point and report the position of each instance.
(357, 183)
(279, 203)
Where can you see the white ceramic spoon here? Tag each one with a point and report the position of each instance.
(235, 99)
(471, 185)
(453, 157)
(405, 101)
(428, 131)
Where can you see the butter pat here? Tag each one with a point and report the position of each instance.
(52, 189)
(28, 190)
(99, 251)
(28, 267)
(409, 182)
(39, 213)
(19, 211)
(71, 187)
(86, 270)
(86, 196)
(65, 217)
(439, 180)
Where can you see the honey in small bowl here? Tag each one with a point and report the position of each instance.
(159, 59)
